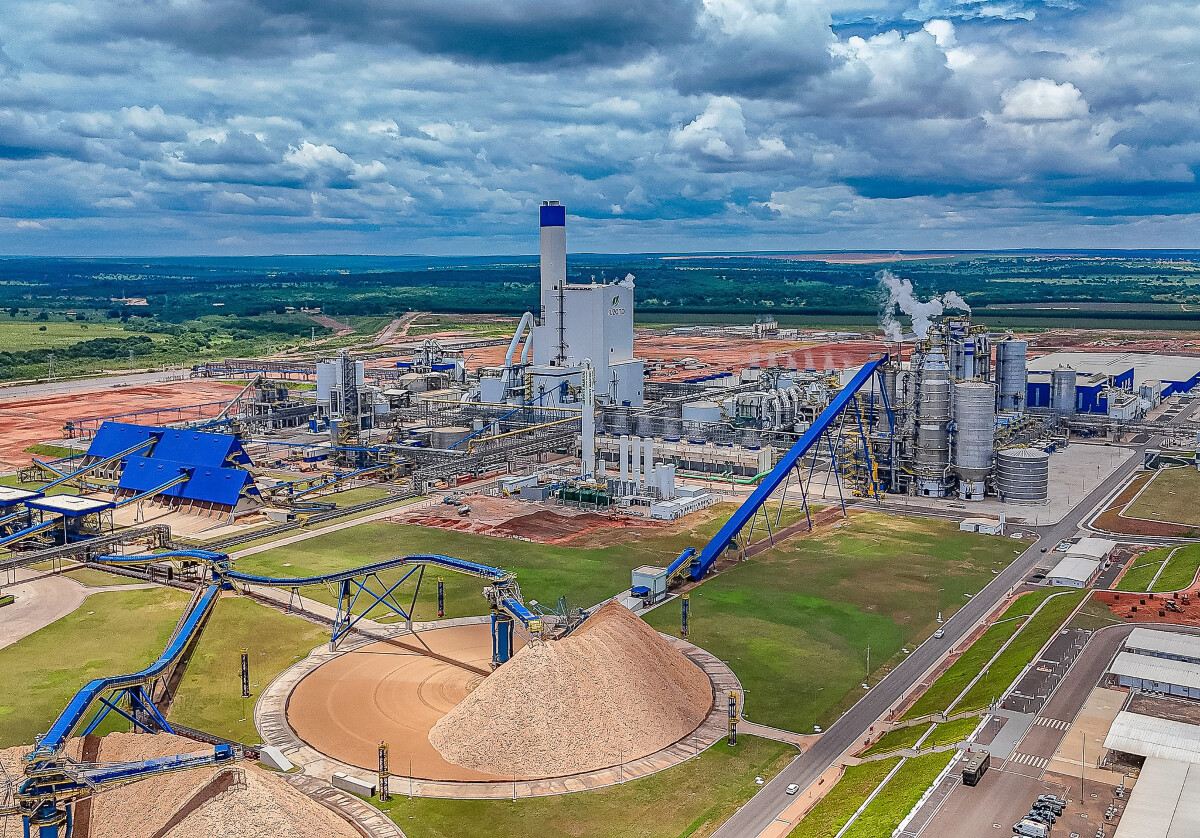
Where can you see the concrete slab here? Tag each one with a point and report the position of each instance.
(352, 784)
(1016, 725)
(1084, 739)
(272, 757)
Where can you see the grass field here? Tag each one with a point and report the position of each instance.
(905, 737)
(1178, 574)
(349, 497)
(1170, 496)
(42, 671)
(795, 622)
(585, 575)
(209, 696)
(955, 679)
(691, 799)
(841, 801)
(1036, 632)
(19, 335)
(898, 797)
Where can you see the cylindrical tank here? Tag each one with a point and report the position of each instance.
(1062, 390)
(642, 424)
(1010, 375)
(326, 379)
(702, 410)
(932, 450)
(1022, 475)
(448, 435)
(672, 428)
(975, 431)
(617, 421)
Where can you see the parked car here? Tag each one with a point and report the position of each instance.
(792, 789)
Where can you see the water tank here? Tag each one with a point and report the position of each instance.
(1062, 391)
(1010, 375)
(617, 421)
(642, 425)
(1022, 475)
(326, 379)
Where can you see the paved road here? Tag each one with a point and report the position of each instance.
(137, 379)
(765, 806)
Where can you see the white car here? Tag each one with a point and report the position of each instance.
(939, 634)
(792, 789)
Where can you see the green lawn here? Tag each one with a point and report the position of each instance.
(1179, 573)
(1170, 496)
(955, 679)
(585, 575)
(898, 797)
(795, 622)
(691, 799)
(843, 800)
(1037, 631)
(349, 497)
(1138, 576)
(42, 671)
(905, 737)
(209, 696)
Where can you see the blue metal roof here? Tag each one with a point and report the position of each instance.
(207, 484)
(199, 447)
(115, 437)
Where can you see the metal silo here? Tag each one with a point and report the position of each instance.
(1010, 375)
(1062, 391)
(1022, 475)
(975, 431)
(931, 459)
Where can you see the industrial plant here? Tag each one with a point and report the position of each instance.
(410, 482)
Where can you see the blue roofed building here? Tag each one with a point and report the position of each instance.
(188, 471)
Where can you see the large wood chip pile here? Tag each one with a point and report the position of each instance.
(266, 805)
(611, 692)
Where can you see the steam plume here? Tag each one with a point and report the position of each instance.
(901, 296)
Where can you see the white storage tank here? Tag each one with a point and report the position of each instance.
(1011, 375)
(449, 435)
(1062, 391)
(702, 410)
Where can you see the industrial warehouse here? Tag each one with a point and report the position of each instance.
(581, 557)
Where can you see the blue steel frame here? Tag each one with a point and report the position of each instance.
(345, 619)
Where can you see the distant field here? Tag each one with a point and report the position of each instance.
(21, 334)
(1170, 496)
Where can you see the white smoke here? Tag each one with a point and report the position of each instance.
(901, 296)
(951, 299)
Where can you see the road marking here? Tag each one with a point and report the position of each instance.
(1030, 760)
(1056, 724)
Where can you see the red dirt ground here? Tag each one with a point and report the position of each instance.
(31, 420)
(732, 355)
(1148, 607)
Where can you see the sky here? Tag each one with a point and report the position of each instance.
(230, 127)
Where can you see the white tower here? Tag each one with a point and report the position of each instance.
(554, 277)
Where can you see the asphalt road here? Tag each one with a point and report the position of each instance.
(852, 727)
(137, 379)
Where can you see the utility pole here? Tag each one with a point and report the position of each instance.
(384, 797)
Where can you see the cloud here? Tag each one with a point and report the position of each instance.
(25, 224)
(718, 136)
(517, 31)
(1043, 100)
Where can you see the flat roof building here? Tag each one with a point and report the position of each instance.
(1158, 675)
(1074, 572)
(1165, 803)
(1164, 644)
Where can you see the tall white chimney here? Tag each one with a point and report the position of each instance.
(635, 460)
(623, 454)
(648, 459)
(554, 275)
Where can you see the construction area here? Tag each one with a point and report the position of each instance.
(639, 545)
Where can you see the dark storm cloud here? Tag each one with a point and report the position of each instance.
(516, 31)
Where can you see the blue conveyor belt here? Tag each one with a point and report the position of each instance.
(744, 513)
(57, 736)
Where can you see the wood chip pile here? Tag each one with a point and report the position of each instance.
(611, 692)
(264, 805)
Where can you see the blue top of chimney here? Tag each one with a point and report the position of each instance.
(554, 215)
